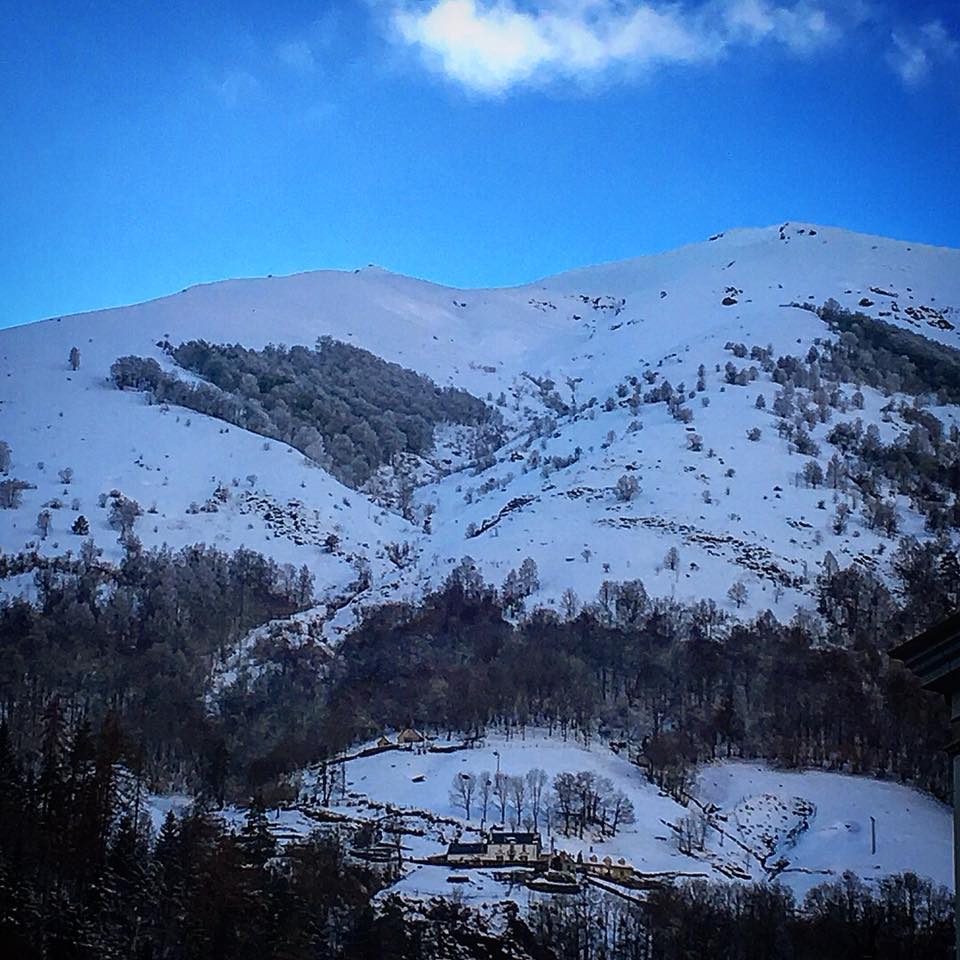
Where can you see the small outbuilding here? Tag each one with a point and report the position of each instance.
(612, 869)
(410, 737)
(466, 852)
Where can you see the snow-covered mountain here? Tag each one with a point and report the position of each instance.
(566, 361)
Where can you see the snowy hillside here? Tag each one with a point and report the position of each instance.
(564, 361)
(755, 822)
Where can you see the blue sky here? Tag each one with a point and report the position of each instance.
(146, 147)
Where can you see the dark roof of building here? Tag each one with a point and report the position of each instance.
(516, 838)
(467, 848)
(934, 655)
(410, 734)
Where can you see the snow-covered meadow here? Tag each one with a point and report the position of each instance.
(749, 802)
(755, 832)
(913, 830)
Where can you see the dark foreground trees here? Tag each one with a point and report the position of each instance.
(105, 691)
(900, 917)
(81, 875)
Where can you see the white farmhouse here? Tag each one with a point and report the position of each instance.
(513, 847)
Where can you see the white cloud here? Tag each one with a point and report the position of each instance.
(915, 52)
(492, 45)
(298, 56)
(238, 87)
(488, 50)
(800, 27)
(909, 60)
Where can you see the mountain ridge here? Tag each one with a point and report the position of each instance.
(731, 233)
(566, 362)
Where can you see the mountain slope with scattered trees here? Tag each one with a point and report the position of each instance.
(701, 495)
(344, 408)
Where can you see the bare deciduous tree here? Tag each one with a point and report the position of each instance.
(536, 782)
(738, 594)
(518, 794)
(485, 791)
(461, 792)
(501, 790)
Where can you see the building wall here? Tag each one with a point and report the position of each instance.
(513, 851)
(464, 857)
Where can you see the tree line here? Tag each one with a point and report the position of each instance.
(681, 683)
(344, 408)
(901, 916)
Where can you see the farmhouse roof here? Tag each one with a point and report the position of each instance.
(465, 849)
(514, 838)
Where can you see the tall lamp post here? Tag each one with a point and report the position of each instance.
(934, 656)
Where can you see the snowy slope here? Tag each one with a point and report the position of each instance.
(745, 803)
(591, 328)
(912, 829)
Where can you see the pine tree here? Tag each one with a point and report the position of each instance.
(11, 775)
(255, 841)
(130, 881)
